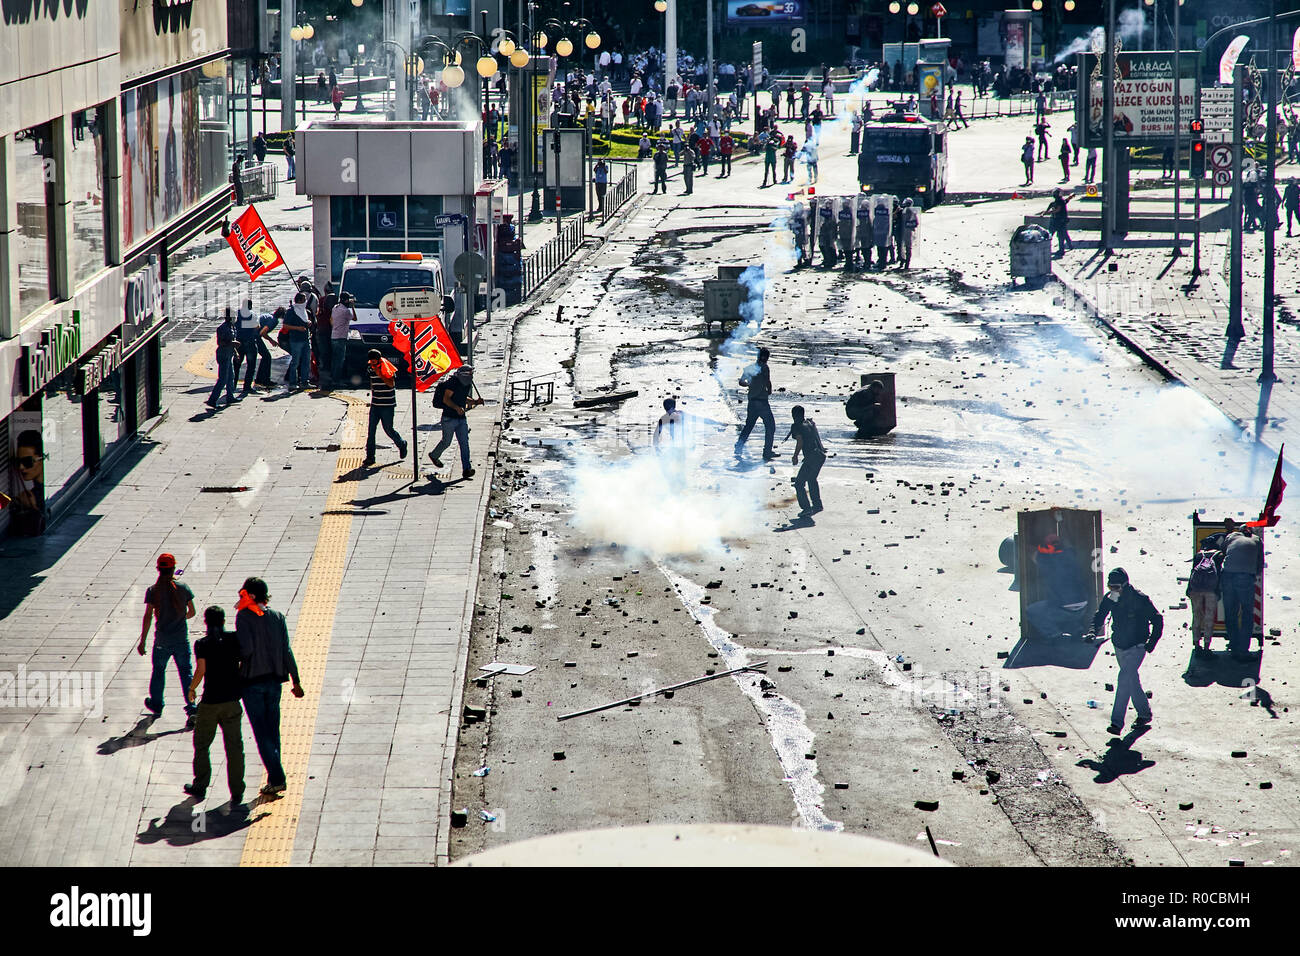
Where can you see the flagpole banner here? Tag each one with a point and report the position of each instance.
(1228, 62)
(1269, 516)
(435, 352)
(253, 245)
(1295, 50)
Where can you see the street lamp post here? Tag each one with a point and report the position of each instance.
(1270, 195)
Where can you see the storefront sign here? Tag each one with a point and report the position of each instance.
(59, 348)
(143, 295)
(92, 372)
(1144, 97)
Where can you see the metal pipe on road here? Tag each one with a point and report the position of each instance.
(699, 680)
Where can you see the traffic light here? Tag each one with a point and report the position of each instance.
(1197, 128)
(1198, 160)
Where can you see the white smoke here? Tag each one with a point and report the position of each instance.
(1130, 25)
(661, 506)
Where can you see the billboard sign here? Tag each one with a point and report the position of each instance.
(1144, 97)
(762, 13)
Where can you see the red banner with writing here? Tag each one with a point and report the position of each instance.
(253, 245)
(435, 352)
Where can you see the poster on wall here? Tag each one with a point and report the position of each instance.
(1016, 45)
(165, 170)
(25, 501)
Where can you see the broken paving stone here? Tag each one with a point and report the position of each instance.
(596, 645)
(783, 668)
(793, 615)
(558, 755)
(570, 663)
(929, 806)
(827, 674)
(1236, 863)
(516, 692)
(810, 756)
(633, 653)
(459, 818)
(1265, 785)
(474, 714)
(992, 776)
(841, 786)
(713, 585)
(1185, 806)
(1003, 655)
(1239, 753)
(677, 743)
(862, 630)
(959, 775)
(1110, 686)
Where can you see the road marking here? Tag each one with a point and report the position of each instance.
(271, 836)
(197, 364)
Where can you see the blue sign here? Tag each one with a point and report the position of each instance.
(443, 220)
(760, 13)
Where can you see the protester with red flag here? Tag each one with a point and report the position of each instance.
(1268, 517)
(383, 404)
(252, 244)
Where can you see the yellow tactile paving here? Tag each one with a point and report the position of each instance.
(270, 838)
(197, 364)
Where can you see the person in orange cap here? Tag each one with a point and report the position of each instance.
(168, 605)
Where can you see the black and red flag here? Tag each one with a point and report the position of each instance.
(253, 245)
(1269, 516)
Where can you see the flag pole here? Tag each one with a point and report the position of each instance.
(415, 412)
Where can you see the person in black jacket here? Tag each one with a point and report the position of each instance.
(1135, 628)
(758, 379)
(227, 349)
(217, 671)
(266, 662)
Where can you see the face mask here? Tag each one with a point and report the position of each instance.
(1113, 593)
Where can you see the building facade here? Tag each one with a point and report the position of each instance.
(113, 155)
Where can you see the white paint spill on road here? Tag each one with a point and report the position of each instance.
(785, 720)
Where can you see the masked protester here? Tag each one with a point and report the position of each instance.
(1136, 626)
(452, 395)
(808, 441)
(383, 403)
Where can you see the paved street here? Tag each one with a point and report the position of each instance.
(897, 694)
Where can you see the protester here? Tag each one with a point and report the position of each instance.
(217, 669)
(1064, 155)
(757, 379)
(807, 441)
(227, 350)
(247, 339)
(1058, 218)
(168, 605)
(1242, 569)
(266, 662)
(661, 170)
(1136, 626)
(267, 323)
(452, 395)
(1203, 594)
(383, 404)
(600, 176)
(1027, 159)
(297, 328)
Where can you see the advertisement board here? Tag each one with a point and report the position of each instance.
(760, 13)
(1144, 97)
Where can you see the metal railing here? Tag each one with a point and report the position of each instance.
(259, 181)
(620, 192)
(543, 263)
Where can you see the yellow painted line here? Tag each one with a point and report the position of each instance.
(270, 838)
(197, 364)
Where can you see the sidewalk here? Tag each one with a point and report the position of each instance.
(1178, 326)
(376, 577)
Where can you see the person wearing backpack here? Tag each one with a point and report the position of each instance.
(453, 394)
(1203, 595)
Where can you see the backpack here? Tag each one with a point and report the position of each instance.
(1205, 572)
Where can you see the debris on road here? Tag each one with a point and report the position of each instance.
(633, 701)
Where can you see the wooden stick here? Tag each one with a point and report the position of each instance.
(698, 680)
(931, 838)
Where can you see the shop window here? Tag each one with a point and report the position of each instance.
(113, 427)
(348, 217)
(32, 180)
(63, 431)
(420, 212)
(387, 217)
(85, 165)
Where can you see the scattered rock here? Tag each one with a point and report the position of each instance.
(929, 806)
(459, 818)
(841, 786)
(1239, 753)
(992, 776)
(558, 755)
(1185, 806)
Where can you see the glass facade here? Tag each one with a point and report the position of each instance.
(174, 148)
(382, 224)
(86, 164)
(112, 414)
(32, 179)
(64, 433)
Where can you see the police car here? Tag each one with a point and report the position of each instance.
(369, 277)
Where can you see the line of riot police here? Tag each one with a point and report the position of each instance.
(846, 229)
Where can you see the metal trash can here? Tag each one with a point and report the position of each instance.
(1031, 253)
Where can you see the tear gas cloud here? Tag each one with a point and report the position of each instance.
(653, 505)
(1129, 25)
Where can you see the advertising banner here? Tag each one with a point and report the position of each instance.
(764, 13)
(1144, 97)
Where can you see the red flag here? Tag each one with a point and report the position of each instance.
(1268, 517)
(435, 353)
(253, 245)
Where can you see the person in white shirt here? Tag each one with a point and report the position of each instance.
(636, 86)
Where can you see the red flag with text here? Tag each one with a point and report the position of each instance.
(1269, 517)
(253, 245)
(435, 352)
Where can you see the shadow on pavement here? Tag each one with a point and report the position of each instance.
(794, 524)
(1120, 758)
(24, 561)
(137, 736)
(1219, 668)
(1073, 653)
(183, 827)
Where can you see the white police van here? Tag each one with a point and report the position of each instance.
(369, 276)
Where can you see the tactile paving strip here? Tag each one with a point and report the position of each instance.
(270, 838)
